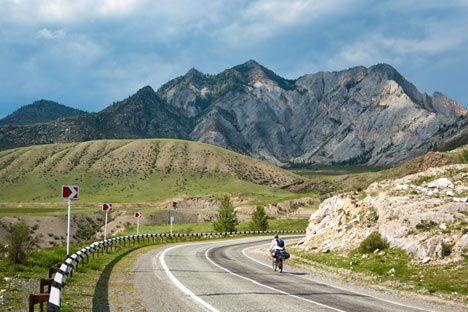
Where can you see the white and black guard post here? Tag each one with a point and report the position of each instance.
(106, 207)
(138, 215)
(69, 192)
(172, 220)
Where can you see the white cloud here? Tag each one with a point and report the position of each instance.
(50, 34)
(435, 38)
(263, 19)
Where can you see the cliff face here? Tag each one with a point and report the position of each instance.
(370, 116)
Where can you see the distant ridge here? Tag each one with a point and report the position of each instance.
(363, 116)
(39, 112)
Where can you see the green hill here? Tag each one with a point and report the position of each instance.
(135, 171)
(40, 111)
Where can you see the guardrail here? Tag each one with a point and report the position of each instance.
(71, 263)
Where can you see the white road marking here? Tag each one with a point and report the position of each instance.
(181, 286)
(268, 287)
(310, 279)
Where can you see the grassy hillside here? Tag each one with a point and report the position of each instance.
(135, 171)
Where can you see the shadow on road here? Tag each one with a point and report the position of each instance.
(101, 292)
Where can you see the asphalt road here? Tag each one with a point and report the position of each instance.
(228, 276)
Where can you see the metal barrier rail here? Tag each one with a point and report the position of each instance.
(67, 267)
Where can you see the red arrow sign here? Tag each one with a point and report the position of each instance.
(70, 192)
(106, 207)
(138, 214)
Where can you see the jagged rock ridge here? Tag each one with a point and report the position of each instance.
(371, 116)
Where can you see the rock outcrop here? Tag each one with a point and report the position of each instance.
(425, 214)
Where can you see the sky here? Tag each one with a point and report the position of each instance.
(88, 54)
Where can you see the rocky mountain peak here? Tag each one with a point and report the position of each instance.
(193, 74)
(145, 91)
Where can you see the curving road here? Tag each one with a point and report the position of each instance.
(226, 276)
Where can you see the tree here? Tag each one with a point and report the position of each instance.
(226, 220)
(20, 242)
(259, 220)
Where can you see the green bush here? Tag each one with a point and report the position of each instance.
(372, 242)
(20, 242)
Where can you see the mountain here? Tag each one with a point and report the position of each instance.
(142, 115)
(38, 112)
(135, 171)
(370, 116)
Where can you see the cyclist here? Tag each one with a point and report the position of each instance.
(276, 246)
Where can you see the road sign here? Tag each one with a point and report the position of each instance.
(138, 215)
(106, 207)
(70, 192)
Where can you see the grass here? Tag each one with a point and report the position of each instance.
(78, 294)
(207, 227)
(130, 171)
(425, 278)
(135, 171)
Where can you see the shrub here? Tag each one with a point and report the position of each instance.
(446, 249)
(372, 242)
(259, 220)
(226, 220)
(463, 158)
(425, 225)
(20, 242)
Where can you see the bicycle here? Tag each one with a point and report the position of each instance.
(278, 263)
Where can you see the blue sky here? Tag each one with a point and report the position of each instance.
(87, 54)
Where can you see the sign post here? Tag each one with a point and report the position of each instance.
(106, 207)
(138, 216)
(69, 192)
(172, 220)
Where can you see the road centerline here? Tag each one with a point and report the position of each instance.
(333, 286)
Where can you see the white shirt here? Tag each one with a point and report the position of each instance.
(274, 245)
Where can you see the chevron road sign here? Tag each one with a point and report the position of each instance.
(106, 207)
(70, 192)
(138, 215)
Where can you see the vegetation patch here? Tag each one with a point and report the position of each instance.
(373, 242)
(395, 269)
(426, 225)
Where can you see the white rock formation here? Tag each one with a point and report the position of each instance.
(407, 217)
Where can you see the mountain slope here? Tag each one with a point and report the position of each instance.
(142, 115)
(371, 116)
(133, 171)
(40, 111)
